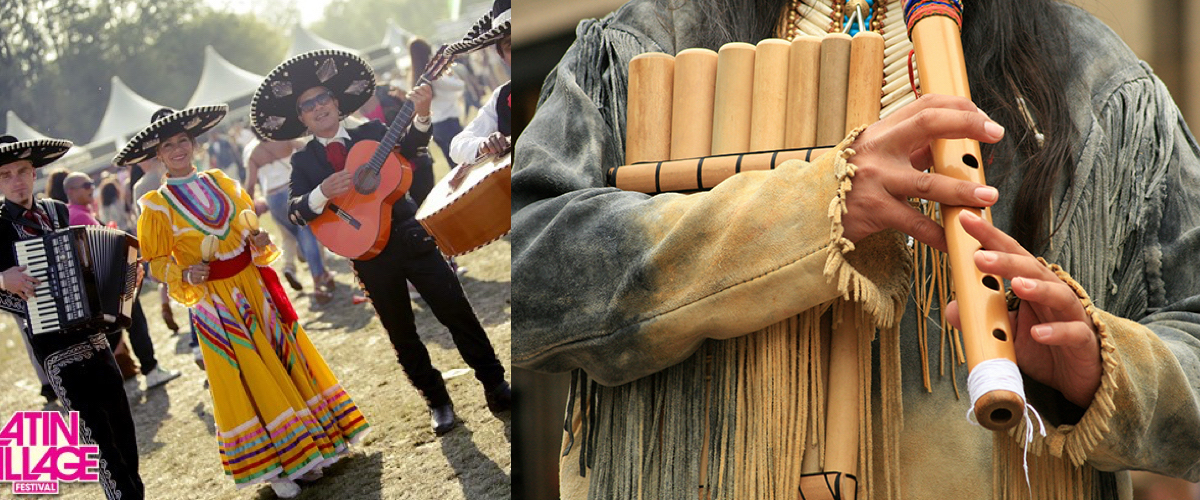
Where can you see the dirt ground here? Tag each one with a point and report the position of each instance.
(400, 458)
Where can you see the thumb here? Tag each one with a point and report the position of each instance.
(952, 314)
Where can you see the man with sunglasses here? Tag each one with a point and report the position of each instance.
(80, 189)
(312, 93)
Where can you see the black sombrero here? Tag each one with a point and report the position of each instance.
(273, 111)
(165, 123)
(39, 152)
(489, 29)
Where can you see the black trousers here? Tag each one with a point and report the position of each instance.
(86, 378)
(412, 255)
(139, 339)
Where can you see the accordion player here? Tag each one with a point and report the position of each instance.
(88, 279)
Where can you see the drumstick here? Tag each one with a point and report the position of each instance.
(648, 115)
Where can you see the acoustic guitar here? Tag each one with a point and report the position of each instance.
(471, 206)
(357, 224)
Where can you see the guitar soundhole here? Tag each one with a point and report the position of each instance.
(366, 181)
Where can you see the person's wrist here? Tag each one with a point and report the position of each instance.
(423, 119)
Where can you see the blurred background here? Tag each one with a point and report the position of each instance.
(1164, 33)
(94, 72)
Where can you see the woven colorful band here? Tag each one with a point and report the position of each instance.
(916, 10)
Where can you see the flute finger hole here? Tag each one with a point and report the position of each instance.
(1000, 335)
(971, 161)
(991, 282)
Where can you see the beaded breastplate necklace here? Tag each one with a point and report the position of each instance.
(816, 18)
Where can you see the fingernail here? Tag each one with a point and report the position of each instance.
(1040, 331)
(987, 193)
(1019, 283)
(988, 257)
(993, 129)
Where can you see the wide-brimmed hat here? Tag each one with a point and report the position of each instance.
(273, 111)
(39, 152)
(489, 29)
(501, 12)
(166, 123)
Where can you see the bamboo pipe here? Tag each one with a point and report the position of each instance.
(695, 91)
(804, 77)
(734, 98)
(648, 114)
(831, 98)
(698, 174)
(769, 108)
(866, 80)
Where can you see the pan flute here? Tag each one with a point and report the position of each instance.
(697, 118)
(700, 117)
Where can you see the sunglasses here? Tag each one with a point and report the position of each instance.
(321, 99)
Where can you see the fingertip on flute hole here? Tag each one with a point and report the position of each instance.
(987, 194)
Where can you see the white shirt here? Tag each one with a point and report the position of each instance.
(447, 98)
(465, 146)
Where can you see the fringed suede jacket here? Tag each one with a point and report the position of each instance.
(688, 319)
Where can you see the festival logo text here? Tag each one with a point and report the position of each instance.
(39, 449)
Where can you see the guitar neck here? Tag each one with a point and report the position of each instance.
(395, 132)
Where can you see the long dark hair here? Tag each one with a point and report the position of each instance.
(1007, 51)
(419, 51)
(55, 187)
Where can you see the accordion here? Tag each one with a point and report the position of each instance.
(88, 279)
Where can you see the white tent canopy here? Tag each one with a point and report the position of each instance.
(397, 38)
(221, 81)
(305, 41)
(126, 113)
(17, 127)
(453, 29)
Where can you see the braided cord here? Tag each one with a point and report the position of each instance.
(916, 10)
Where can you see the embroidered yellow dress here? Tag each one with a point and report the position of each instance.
(279, 410)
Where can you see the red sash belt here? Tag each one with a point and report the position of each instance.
(228, 268)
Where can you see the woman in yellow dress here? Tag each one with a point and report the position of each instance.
(280, 413)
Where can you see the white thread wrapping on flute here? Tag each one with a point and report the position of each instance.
(1000, 374)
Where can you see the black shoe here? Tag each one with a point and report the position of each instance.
(499, 398)
(443, 418)
(48, 393)
(290, 276)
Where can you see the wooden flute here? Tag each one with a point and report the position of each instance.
(986, 330)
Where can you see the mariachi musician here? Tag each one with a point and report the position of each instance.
(78, 363)
(490, 131)
(312, 93)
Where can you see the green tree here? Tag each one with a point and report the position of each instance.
(57, 59)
